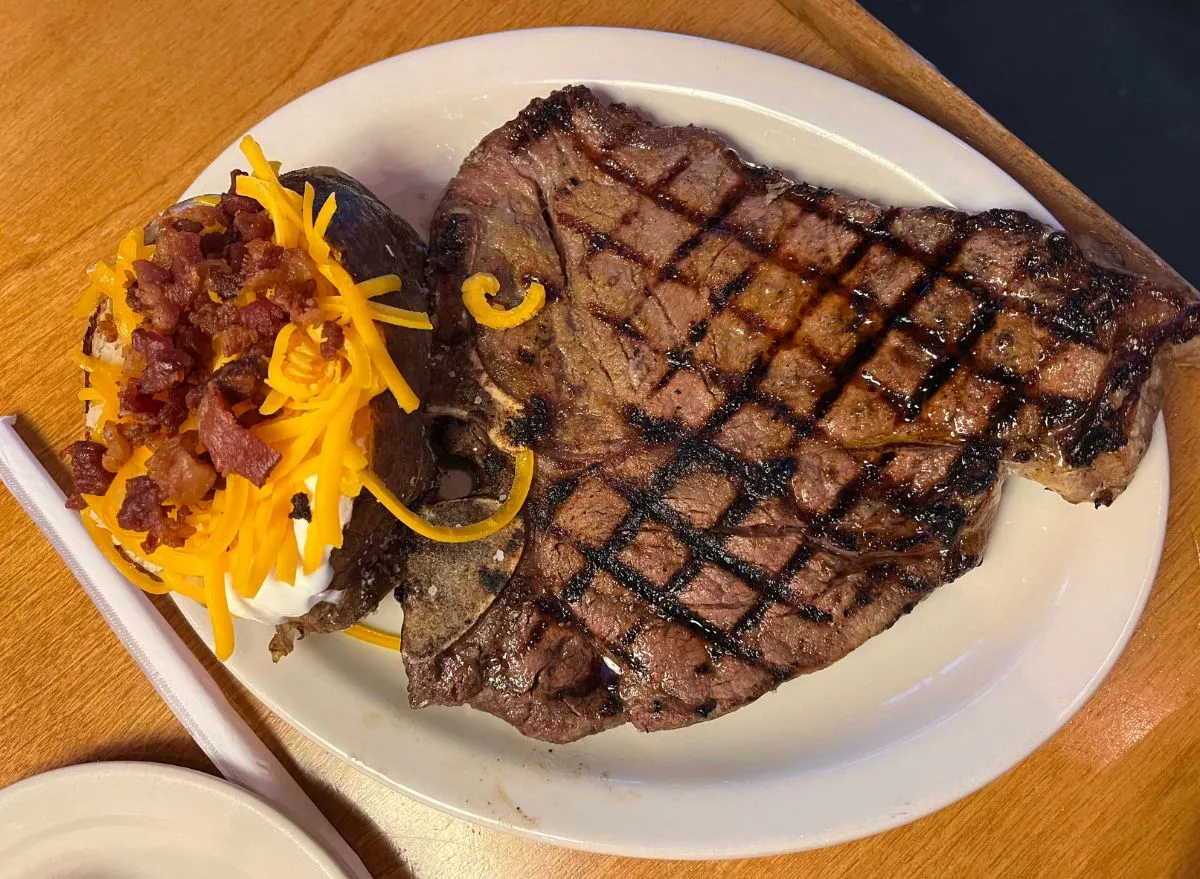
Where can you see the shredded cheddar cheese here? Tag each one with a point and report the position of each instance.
(102, 390)
(522, 479)
(132, 572)
(108, 283)
(314, 415)
(476, 290)
(371, 635)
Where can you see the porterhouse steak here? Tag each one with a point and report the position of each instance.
(769, 417)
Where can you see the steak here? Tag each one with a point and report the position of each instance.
(769, 417)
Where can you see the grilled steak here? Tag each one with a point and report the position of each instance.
(769, 417)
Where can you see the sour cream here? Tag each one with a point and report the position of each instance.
(276, 601)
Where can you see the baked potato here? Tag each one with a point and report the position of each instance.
(249, 356)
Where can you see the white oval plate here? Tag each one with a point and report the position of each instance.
(950, 697)
(147, 821)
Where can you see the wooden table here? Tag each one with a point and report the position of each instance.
(109, 110)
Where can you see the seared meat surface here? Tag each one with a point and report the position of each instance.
(769, 417)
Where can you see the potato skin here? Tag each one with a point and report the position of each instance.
(374, 241)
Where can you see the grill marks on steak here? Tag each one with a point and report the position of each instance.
(875, 323)
(698, 574)
(773, 417)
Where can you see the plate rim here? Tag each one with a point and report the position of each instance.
(180, 777)
(914, 125)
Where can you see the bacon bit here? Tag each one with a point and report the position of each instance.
(301, 508)
(152, 302)
(299, 299)
(262, 257)
(205, 216)
(194, 395)
(253, 226)
(233, 448)
(176, 530)
(194, 341)
(178, 245)
(166, 365)
(216, 276)
(150, 344)
(212, 317)
(175, 410)
(142, 506)
(263, 316)
(332, 339)
(140, 406)
(297, 265)
(235, 340)
(87, 470)
(181, 223)
(140, 434)
(142, 510)
(251, 417)
(118, 447)
(169, 532)
(289, 272)
(149, 296)
(261, 348)
(107, 328)
(178, 470)
(231, 205)
(133, 295)
(226, 285)
(241, 378)
(132, 363)
(149, 273)
(236, 255)
(213, 244)
(185, 290)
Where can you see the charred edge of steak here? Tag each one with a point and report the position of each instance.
(529, 427)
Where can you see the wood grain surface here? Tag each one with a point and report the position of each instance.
(110, 109)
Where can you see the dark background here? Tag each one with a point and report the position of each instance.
(1107, 91)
